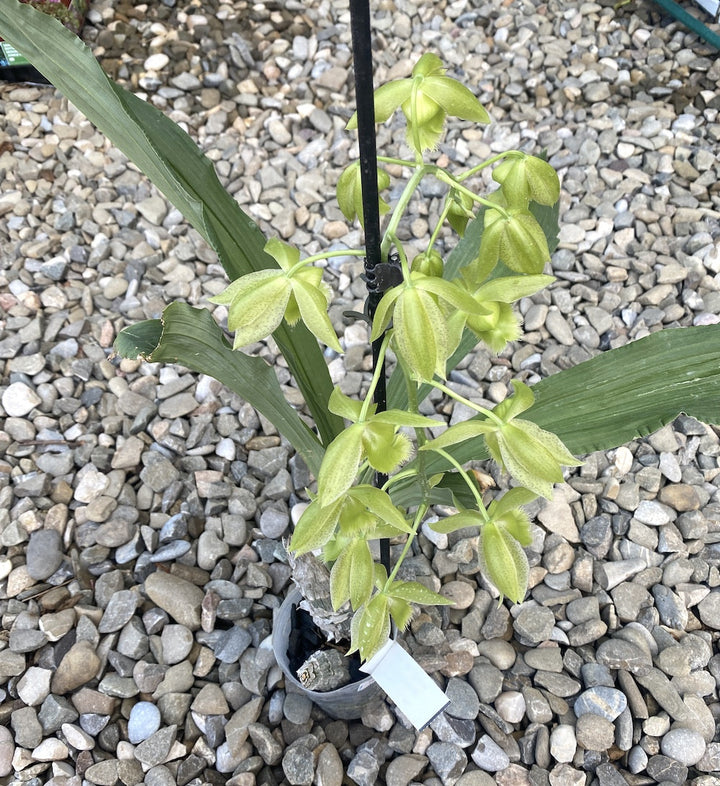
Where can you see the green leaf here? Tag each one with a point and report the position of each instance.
(315, 527)
(379, 503)
(622, 394)
(401, 612)
(428, 64)
(632, 391)
(514, 498)
(503, 561)
(257, 303)
(508, 289)
(174, 163)
(387, 99)
(138, 339)
(192, 334)
(313, 304)
(450, 292)
(415, 592)
(466, 518)
(285, 255)
(517, 523)
(384, 311)
(521, 400)
(340, 464)
(523, 246)
(349, 192)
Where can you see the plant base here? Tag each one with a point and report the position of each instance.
(346, 703)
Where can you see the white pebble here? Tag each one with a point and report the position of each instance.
(563, 743)
(156, 62)
(18, 399)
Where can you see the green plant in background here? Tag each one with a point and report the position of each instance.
(430, 320)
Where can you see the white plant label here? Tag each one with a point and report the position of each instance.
(414, 692)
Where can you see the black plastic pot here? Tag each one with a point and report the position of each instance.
(346, 703)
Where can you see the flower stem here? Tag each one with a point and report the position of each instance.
(484, 164)
(379, 368)
(482, 410)
(419, 516)
(401, 207)
(444, 177)
(345, 252)
(464, 475)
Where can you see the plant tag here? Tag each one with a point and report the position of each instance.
(416, 694)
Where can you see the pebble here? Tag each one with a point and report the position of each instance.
(181, 599)
(489, 756)
(563, 743)
(143, 722)
(18, 400)
(44, 554)
(683, 745)
(7, 751)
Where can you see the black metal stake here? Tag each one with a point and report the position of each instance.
(362, 63)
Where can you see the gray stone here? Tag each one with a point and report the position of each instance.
(448, 761)
(274, 522)
(266, 745)
(44, 553)
(489, 756)
(297, 708)
(601, 700)
(563, 743)
(299, 766)
(663, 768)
(154, 750)
(593, 732)
(534, 624)
(660, 688)
(119, 610)
(464, 701)
(619, 654)
(709, 610)
(26, 727)
(670, 606)
(231, 644)
(457, 731)
(404, 769)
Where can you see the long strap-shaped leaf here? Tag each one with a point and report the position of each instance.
(190, 336)
(174, 163)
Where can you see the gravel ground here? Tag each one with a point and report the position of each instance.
(142, 509)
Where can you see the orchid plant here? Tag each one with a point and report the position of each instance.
(441, 306)
(422, 321)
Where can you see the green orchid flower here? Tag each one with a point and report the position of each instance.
(349, 192)
(372, 437)
(426, 99)
(504, 530)
(419, 328)
(533, 456)
(258, 301)
(524, 178)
